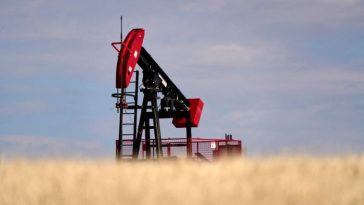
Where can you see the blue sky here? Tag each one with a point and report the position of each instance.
(283, 76)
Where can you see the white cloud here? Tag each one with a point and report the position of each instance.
(56, 20)
(73, 61)
(30, 106)
(204, 5)
(332, 14)
(305, 80)
(200, 58)
(29, 146)
(329, 13)
(245, 117)
(322, 81)
(237, 55)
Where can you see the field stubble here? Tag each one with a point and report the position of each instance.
(276, 180)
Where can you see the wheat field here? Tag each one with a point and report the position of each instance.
(253, 181)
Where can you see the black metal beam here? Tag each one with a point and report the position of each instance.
(137, 141)
(171, 114)
(148, 64)
(147, 139)
(157, 130)
(188, 135)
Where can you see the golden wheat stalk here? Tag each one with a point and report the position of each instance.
(276, 180)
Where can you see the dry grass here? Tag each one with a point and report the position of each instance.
(279, 180)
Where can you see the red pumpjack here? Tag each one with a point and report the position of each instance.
(161, 99)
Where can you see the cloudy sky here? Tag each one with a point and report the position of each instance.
(283, 76)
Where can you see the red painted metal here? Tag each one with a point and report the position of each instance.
(196, 107)
(211, 149)
(128, 57)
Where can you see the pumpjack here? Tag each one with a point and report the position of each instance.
(161, 99)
